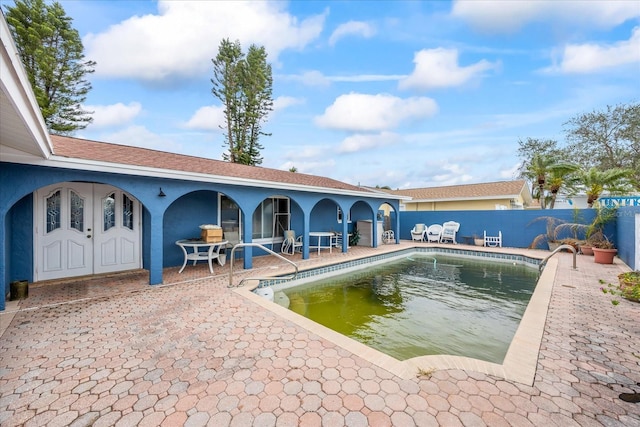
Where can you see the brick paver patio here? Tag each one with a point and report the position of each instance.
(115, 351)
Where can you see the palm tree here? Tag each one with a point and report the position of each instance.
(536, 171)
(547, 172)
(594, 181)
(561, 175)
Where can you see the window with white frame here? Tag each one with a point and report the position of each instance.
(230, 216)
(340, 216)
(271, 218)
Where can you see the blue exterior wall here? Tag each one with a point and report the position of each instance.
(626, 238)
(21, 239)
(186, 205)
(183, 219)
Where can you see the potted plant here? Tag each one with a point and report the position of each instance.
(550, 237)
(586, 248)
(478, 240)
(629, 285)
(571, 241)
(595, 239)
(604, 251)
(354, 238)
(591, 234)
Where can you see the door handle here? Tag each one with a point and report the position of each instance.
(88, 236)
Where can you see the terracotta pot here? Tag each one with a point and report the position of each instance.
(553, 245)
(586, 250)
(604, 256)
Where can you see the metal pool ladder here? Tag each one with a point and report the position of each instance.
(556, 250)
(257, 245)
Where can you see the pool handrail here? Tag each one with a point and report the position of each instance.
(258, 245)
(556, 250)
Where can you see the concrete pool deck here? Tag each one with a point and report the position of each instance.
(115, 351)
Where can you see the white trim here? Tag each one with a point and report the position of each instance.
(90, 165)
(15, 84)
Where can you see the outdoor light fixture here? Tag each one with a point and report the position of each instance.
(161, 193)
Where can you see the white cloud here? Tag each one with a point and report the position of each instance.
(507, 16)
(361, 142)
(366, 113)
(140, 136)
(183, 36)
(452, 174)
(367, 78)
(437, 68)
(306, 152)
(588, 58)
(284, 102)
(357, 28)
(510, 172)
(310, 78)
(316, 78)
(318, 167)
(113, 115)
(311, 159)
(210, 117)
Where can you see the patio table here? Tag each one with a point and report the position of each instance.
(320, 235)
(211, 252)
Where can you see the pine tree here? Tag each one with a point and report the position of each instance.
(52, 53)
(243, 83)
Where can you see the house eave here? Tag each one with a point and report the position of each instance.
(23, 126)
(466, 199)
(118, 168)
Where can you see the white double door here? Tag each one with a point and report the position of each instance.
(84, 228)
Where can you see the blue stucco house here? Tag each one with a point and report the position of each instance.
(72, 207)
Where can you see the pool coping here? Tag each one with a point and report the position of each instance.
(519, 364)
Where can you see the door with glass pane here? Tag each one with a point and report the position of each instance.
(64, 245)
(116, 234)
(82, 229)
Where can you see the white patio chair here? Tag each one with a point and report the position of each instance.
(233, 238)
(336, 240)
(434, 233)
(449, 230)
(291, 243)
(493, 241)
(388, 236)
(417, 233)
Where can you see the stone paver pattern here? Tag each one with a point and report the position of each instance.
(114, 351)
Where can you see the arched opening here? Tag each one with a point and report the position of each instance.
(83, 228)
(388, 216)
(272, 217)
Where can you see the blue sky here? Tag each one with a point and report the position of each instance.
(404, 94)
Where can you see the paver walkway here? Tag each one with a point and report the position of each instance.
(115, 351)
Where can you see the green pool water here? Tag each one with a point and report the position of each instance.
(415, 307)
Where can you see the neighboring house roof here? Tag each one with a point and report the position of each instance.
(194, 167)
(482, 191)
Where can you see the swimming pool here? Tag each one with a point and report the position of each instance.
(521, 360)
(422, 305)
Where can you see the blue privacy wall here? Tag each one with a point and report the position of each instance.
(519, 227)
(627, 239)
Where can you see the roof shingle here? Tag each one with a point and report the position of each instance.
(466, 191)
(135, 156)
